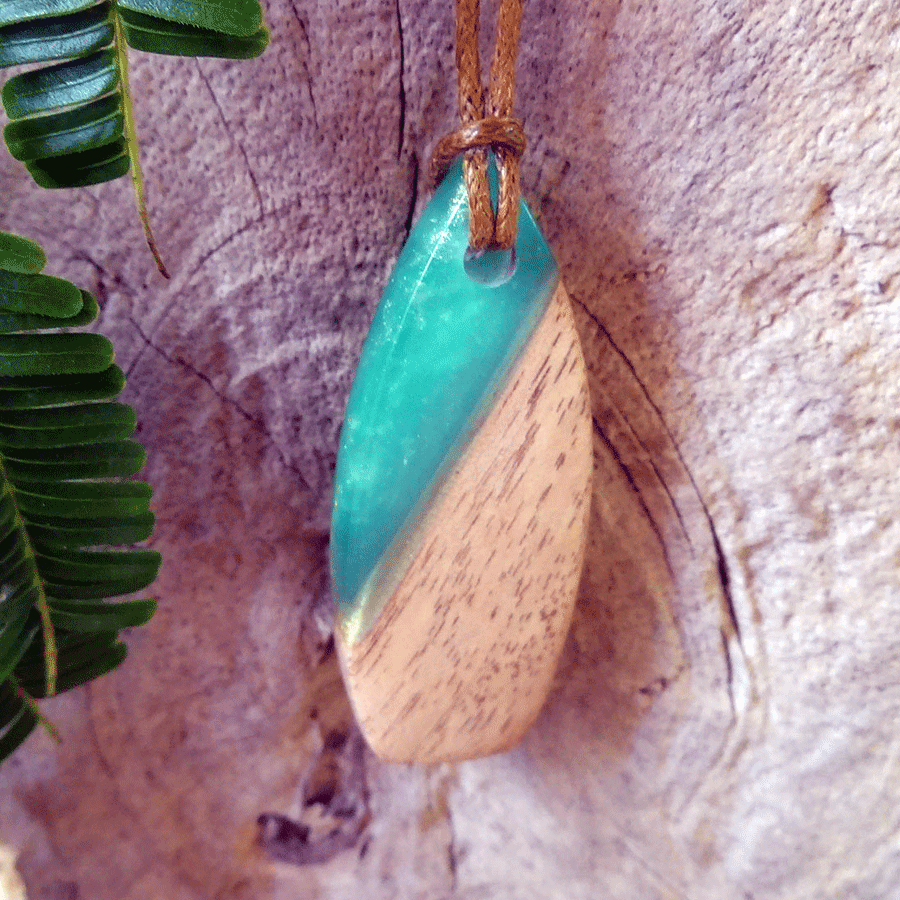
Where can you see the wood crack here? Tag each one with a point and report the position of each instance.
(729, 671)
(646, 393)
(637, 491)
(452, 852)
(730, 628)
(246, 414)
(724, 578)
(413, 198)
(232, 138)
(306, 70)
(401, 90)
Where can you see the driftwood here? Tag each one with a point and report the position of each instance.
(720, 184)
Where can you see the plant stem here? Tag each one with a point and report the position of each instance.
(31, 704)
(131, 142)
(49, 638)
(43, 607)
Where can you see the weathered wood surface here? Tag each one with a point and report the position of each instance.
(720, 182)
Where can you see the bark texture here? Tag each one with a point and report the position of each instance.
(720, 182)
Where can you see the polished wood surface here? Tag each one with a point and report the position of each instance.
(460, 661)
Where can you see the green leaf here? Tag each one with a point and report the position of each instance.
(60, 563)
(79, 662)
(11, 550)
(96, 590)
(19, 603)
(10, 322)
(63, 451)
(98, 460)
(41, 295)
(74, 651)
(69, 83)
(155, 36)
(79, 616)
(59, 390)
(61, 426)
(56, 37)
(76, 130)
(238, 17)
(11, 702)
(23, 10)
(18, 254)
(88, 533)
(47, 354)
(79, 500)
(15, 639)
(24, 722)
(18, 576)
(81, 169)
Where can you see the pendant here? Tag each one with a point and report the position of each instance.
(462, 490)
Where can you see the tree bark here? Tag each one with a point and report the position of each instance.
(720, 183)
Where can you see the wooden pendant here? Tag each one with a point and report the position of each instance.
(461, 498)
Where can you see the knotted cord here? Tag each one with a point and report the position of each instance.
(486, 124)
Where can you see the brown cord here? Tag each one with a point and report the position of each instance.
(486, 128)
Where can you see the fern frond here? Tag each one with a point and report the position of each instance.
(64, 450)
(71, 117)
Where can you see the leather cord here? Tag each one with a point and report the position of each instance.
(486, 124)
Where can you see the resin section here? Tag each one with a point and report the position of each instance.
(439, 349)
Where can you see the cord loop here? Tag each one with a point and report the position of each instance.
(487, 126)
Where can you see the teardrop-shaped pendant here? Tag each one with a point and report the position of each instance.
(461, 496)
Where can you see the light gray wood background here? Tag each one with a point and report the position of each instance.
(720, 182)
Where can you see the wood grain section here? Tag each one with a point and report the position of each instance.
(460, 661)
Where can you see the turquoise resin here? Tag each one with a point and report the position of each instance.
(440, 348)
